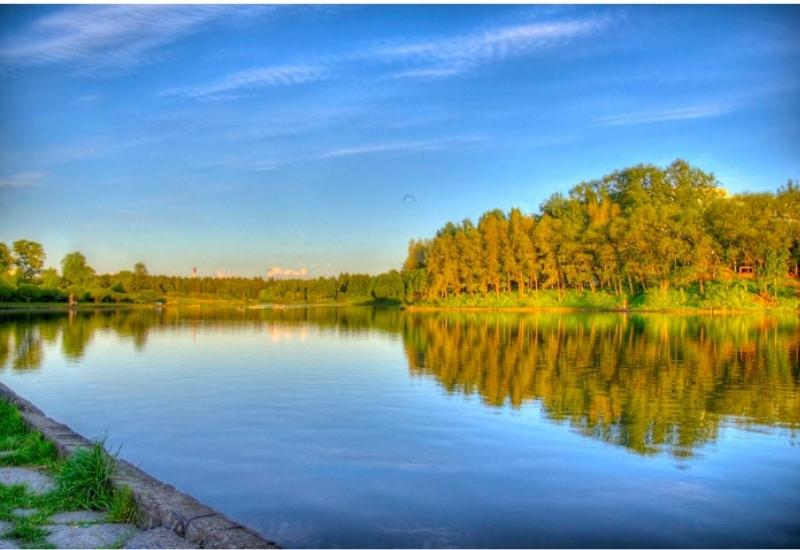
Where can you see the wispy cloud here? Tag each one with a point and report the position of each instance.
(88, 98)
(666, 115)
(389, 147)
(284, 75)
(393, 147)
(446, 57)
(109, 38)
(23, 179)
(426, 60)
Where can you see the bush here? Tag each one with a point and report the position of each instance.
(147, 296)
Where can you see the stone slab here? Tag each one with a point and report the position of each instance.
(80, 516)
(8, 543)
(24, 512)
(99, 535)
(160, 537)
(37, 482)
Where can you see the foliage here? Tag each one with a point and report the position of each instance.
(643, 236)
(653, 237)
(75, 270)
(123, 507)
(29, 258)
(84, 481)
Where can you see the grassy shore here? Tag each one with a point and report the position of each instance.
(739, 296)
(83, 482)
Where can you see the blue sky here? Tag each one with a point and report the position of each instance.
(242, 138)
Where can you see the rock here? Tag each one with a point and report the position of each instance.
(8, 543)
(81, 516)
(24, 512)
(37, 482)
(5, 526)
(160, 537)
(98, 535)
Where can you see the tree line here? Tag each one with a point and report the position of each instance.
(23, 278)
(636, 229)
(644, 231)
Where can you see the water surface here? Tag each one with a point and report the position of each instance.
(360, 427)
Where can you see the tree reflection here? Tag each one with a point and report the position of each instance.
(650, 383)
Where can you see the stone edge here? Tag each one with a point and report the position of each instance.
(159, 504)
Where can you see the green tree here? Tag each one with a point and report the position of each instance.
(139, 279)
(6, 260)
(29, 259)
(75, 270)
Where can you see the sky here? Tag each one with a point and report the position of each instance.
(314, 140)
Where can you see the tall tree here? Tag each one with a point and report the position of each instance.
(75, 270)
(29, 259)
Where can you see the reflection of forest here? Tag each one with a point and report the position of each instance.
(645, 382)
(649, 383)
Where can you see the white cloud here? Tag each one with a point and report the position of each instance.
(445, 57)
(275, 272)
(421, 60)
(22, 179)
(665, 115)
(397, 146)
(282, 75)
(110, 38)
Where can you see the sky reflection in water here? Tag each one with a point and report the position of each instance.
(362, 427)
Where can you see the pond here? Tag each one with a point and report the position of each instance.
(363, 427)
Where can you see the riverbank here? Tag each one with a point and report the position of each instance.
(161, 513)
(716, 298)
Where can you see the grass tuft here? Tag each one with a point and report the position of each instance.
(123, 508)
(84, 481)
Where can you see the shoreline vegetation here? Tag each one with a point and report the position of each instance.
(640, 239)
(82, 482)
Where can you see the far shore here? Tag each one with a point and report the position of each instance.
(412, 308)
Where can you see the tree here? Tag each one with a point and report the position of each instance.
(50, 278)
(29, 259)
(75, 270)
(139, 279)
(6, 260)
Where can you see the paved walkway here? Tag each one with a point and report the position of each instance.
(82, 529)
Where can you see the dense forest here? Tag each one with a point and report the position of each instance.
(640, 237)
(636, 230)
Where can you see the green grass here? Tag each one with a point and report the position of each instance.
(123, 507)
(28, 447)
(716, 296)
(83, 482)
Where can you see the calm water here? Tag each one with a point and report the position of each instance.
(360, 427)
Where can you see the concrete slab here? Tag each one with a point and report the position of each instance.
(160, 537)
(37, 482)
(80, 516)
(99, 535)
